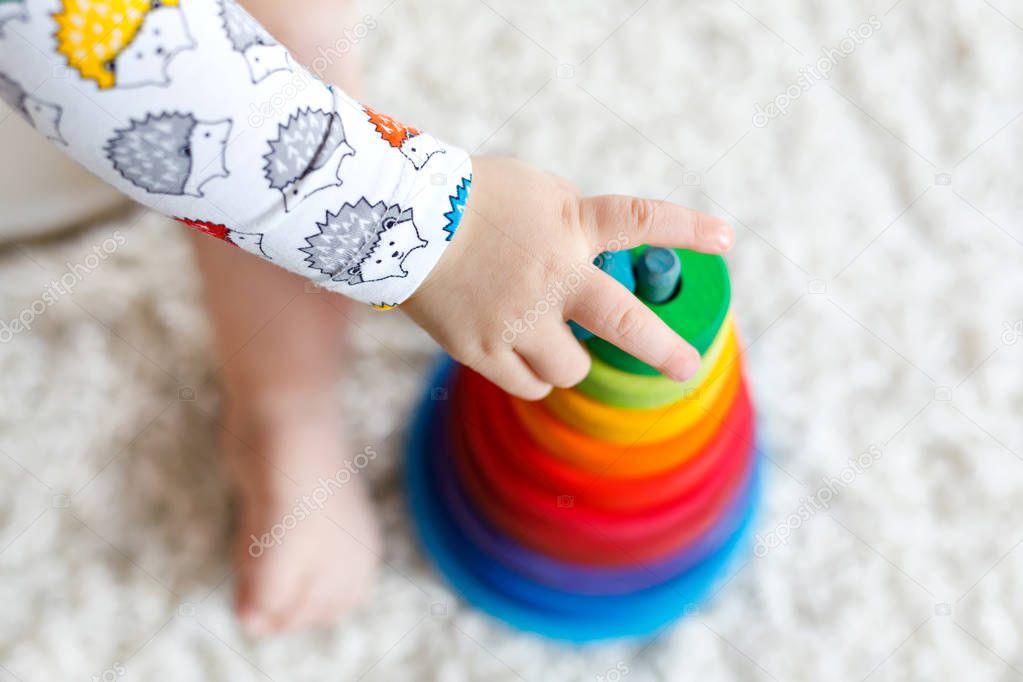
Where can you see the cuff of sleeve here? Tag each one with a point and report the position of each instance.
(424, 224)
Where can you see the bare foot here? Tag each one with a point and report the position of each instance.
(307, 545)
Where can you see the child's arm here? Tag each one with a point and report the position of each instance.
(194, 110)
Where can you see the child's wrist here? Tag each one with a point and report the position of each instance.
(440, 196)
(415, 225)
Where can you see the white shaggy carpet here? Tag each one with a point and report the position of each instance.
(877, 280)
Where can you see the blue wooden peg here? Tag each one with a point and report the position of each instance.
(658, 272)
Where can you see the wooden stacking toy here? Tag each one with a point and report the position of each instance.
(608, 509)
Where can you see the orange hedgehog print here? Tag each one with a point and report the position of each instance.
(418, 147)
(122, 43)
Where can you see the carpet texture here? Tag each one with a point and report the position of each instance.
(877, 278)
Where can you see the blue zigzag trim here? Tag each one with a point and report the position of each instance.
(457, 200)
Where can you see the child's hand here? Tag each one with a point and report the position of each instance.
(520, 265)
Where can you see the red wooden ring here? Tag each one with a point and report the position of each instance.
(590, 543)
(575, 548)
(520, 495)
(494, 467)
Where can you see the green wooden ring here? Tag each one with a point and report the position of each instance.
(696, 313)
(612, 386)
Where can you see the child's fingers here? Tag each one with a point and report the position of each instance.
(630, 221)
(510, 372)
(607, 309)
(555, 356)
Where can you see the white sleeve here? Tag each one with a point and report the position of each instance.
(191, 108)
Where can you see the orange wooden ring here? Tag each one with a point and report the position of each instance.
(624, 425)
(595, 490)
(598, 491)
(629, 460)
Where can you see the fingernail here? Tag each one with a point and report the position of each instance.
(725, 237)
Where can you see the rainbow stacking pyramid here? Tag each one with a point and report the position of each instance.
(606, 510)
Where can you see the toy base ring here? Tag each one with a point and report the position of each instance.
(641, 614)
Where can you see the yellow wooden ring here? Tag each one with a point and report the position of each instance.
(618, 460)
(611, 386)
(619, 425)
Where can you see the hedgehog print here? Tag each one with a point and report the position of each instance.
(12, 10)
(43, 116)
(364, 242)
(261, 52)
(418, 147)
(170, 153)
(306, 156)
(247, 241)
(122, 43)
(457, 202)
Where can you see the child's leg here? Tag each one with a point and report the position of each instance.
(281, 350)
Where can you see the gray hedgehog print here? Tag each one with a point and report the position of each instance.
(170, 153)
(263, 55)
(12, 10)
(364, 242)
(43, 116)
(306, 157)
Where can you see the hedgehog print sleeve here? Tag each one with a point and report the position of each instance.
(192, 108)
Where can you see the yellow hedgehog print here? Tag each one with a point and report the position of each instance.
(122, 43)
